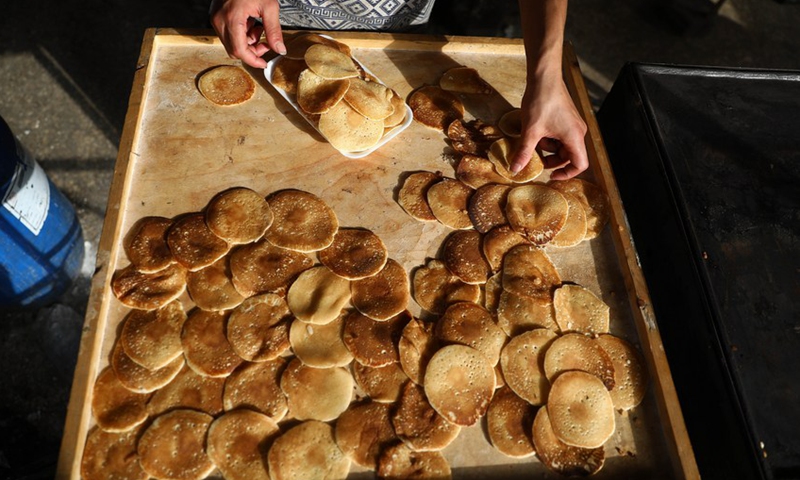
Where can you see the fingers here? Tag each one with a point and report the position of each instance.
(235, 24)
(574, 152)
(272, 30)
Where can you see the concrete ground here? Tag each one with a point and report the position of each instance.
(66, 69)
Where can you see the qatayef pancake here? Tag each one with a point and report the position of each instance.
(576, 351)
(574, 230)
(206, 346)
(148, 291)
(594, 200)
(399, 111)
(416, 346)
(509, 421)
(475, 172)
(114, 407)
(303, 386)
(511, 123)
(238, 215)
(111, 455)
(303, 222)
(486, 207)
(537, 212)
(307, 451)
(500, 153)
(381, 384)
(520, 313)
(562, 458)
(464, 80)
(577, 309)
(418, 425)
(318, 295)
(497, 242)
(258, 329)
(256, 386)
(470, 324)
(449, 200)
(473, 137)
(527, 270)
(363, 431)
(262, 267)
(188, 390)
(193, 244)
(329, 62)
(399, 461)
(463, 256)
(581, 410)
(435, 287)
(317, 95)
(152, 338)
(459, 383)
(320, 346)
(349, 131)
(435, 108)
(521, 362)
(287, 72)
(211, 288)
(354, 254)
(236, 444)
(373, 343)
(371, 99)
(226, 85)
(146, 244)
(413, 195)
(383, 295)
(173, 446)
(297, 46)
(630, 374)
(137, 378)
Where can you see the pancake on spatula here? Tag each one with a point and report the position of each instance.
(237, 444)
(193, 244)
(497, 242)
(137, 378)
(500, 153)
(354, 254)
(581, 410)
(302, 221)
(463, 256)
(316, 393)
(520, 313)
(226, 85)
(188, 390)
(449, 200)
(148, 291)
(486, 207)
(509, 421)
(320, 346)
(399, 461)
(256, 386)
(152, 338)
(630, 374)
(258, 329)
(145, 244)
(576, 351)
(435, 287)
(467, 323)
(475, 172)
(577, 309)
(318, 295)
(413, 195)
(262, 267)
(415, 348)
(562, 458)
(521, 361)
(287, 72)
(307, 451)
(114, 407)
(173, 446)
(297, 46)
(111, 455)
(330, 63)
(363, 431)
(238, 215)
(464, 80)
(435, 108)
(527, 270)
(317, 95)
(593, 199)
(349, 131)
(459, 383)
(418, 425)
(537, 212)
(206, 346)
(373, 343)
(211, 288)
(383, 295)
(381, 384)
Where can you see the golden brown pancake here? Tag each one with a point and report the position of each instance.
(211, 288)
(318, 295)
(287, 72)
(114, 407)
(500, 153)
(316, 393)
(415, 348)
(137, 378)
(303, 222)
(371, 99)
(473, 137)
(581, 411)
(594, 200)
(320, 346)
(509, 421)
(435, 287)
(537, 212)
(256, 386)
(486, 207)
(413, 195)
(317, 95)
(399, 111)
(399, 461)
(297, 46)
(574, 230)
(511, 123)
(462, 254)
(152, 338)
(226, 85)
(521, 361)
(475, 171)
(435, 108)
(349, 131)
(562, 458)
(520, 313)
(630, 374)
(381, 384)
(491, 295)
(467, 323)
(497, 242)
(383, 295)
(418, 425)
(576, 351)
(363, 431)
(238, 215)
(577, 309)
(237, 444)
(307, 451)
(448, 199)
(527, 270)
(354, 254)
(206, 346)
(464, 80)
(173, 446)
(328, 62)
(373, 343)
(146, 244)
(111, 455)
(258, 330)
(188, 390)
(262, 267)
(193, 244)
(148, 291)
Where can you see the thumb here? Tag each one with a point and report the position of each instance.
(526, 148)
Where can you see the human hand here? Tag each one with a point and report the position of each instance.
(237, 28)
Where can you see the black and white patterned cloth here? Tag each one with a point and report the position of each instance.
(383, 15)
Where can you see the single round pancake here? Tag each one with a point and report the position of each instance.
(527, 270)
(237, 444)
(581, 411)
(317, 95)
(574, 230)
(211, 288)
(510, 123)
(146, 244)
(152, 338)
(449, 200)
(562, 458)
(381, 384)
(111, 455)
(354, 254)
(519, 313)
(318, 295)
(188, 390)
(316, 393)
(303, 222)
(464, 80)
(576, 351)
(413, 195)
(399, 110)
(238, 215)
(349, 131)
(383, 295)
(470, 324)
(320, 346)
(415, 348)
(373, 343)
(193, 244)
(522, 364)
(509, 421)
(486, 207)
(148, 291)
(497, 242)
(137, 378)
(307, 451)
(459, 383)
(328, 62)
(114, 407)
(206, 346)
(399, 461)
(435, 287)
(297, 46)
(537, 212)
(491, 295)
(173, 446)
(500, 153)
(258, 329)
(262, 267)
(475, 171)
(462, 254)
(434, 107)
(630, 375)
(256, 386)
(370, 99)
(287, 72)
(363, 431)
(593, 199)
(418, 425)
(226, 85)
(577, 309)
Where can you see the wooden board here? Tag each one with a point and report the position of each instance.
(178, 150)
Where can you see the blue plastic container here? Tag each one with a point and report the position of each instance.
(41, 241)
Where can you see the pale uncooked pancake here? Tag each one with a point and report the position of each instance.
(574, 230)
(256, 386)
(413, 195)
(329, 62)
(415, 348)
(226, 85)
(258, 329)
(562, 458)
(418, 425)
(188, 390)
(371, 99)
(211, 288)
(500, 153)
(527, 270)
(383, 295)
(462, 254)
(509, 421)
(354, 254)
(467, 323)
(475, 172)
(581, 410)
(206, 346)
(464, 80)
(434, 107)
(114, 407)
(237, 444)
(148, 291)
(297, 46)
(363, 431)
(630, 374)
(576, 351)
(238, 215)
(137, 378)
(146, 244)
(537, 212)
(374, 343)
(449, 200)
(349, 131)
(320, 345)
(521, 361)
(459, 383)
(262, 267)
(111, 455)
(303, 221)
(318, 295)
(316, 393)
(193, 244)
(381, 384)
(307, 451)
(317, 95)
(598, 210)
(511, 123)
(173, 446)
(435, 287)
(520, 313)
(399, 461)
(287, 72)
(486, 207)
(497, 242)
(577, 309)
(152, 338)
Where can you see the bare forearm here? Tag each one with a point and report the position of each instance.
(543, 32)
